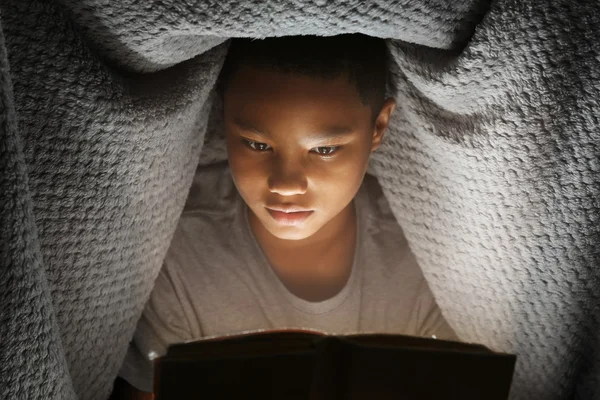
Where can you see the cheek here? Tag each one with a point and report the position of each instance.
(247, 171)
(350, 167)
(337, 182)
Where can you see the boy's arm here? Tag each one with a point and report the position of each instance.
(125, 391)
(431, 321)
(162, 323)
(138, 395)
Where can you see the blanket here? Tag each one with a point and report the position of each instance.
(491, 165)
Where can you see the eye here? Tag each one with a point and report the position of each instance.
(326, 150)
(256, 146)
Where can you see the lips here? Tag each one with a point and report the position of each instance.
(289, 215)
(287, 208)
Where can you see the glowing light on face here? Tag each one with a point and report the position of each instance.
(298, 148)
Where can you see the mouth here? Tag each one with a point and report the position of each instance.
(289, 216)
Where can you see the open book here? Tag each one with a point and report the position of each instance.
(298, 364)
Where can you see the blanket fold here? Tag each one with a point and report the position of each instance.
(161, 34)
(490, 165)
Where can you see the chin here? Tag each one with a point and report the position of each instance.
(299, 232)
(291, 234)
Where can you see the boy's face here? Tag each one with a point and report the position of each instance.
(298, 143)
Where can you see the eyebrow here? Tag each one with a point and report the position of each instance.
(332, 132)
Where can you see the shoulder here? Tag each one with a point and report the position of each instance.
(209, 236)
(208, 225)
(383, 243)
(212, 190)
(375, 204)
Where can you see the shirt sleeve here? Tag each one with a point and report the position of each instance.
(431, 321)
(162, 323)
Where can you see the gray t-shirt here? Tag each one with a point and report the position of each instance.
(216, 280)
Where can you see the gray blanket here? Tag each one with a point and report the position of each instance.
(491, 165)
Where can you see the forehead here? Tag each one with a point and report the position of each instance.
(266, 96)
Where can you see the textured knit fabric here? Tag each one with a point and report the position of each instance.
(491, 167)
(216, 280)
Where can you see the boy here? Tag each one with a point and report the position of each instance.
(288, 234)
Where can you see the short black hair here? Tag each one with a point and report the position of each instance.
(363, 58)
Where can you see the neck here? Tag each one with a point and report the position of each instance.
(318, 267)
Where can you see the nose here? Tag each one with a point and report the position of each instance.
(287, 179)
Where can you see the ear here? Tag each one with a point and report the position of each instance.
(382, 122)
